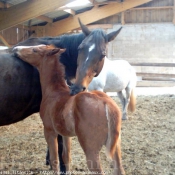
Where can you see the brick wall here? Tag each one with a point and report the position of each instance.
(149, 43)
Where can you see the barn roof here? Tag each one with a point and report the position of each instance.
(41, 12)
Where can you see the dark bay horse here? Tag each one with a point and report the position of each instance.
(20, 94)
(84, 55)
(93, 117)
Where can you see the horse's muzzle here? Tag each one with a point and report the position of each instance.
(74, 89)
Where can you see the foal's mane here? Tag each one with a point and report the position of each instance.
(59, 70)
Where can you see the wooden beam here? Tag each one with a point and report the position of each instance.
(152, 8)
(4, 41)
(158, 79)
(174, 13)
(93, 15)
(154, 64)
(28, 10)
(103, 26)
(72, 12)
(45, 18)
(142, 74)
(155, 83)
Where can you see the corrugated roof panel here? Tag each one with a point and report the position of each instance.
(14, 2)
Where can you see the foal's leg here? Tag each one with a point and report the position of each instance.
(51, 139)
(93, 162)
(91, 147)
(60, 152)
(123, 102)
(66, 152)
(117, 161)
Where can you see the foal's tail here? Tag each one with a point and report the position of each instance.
(132, 102)
(113, 115)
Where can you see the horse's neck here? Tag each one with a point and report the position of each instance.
(51, 77)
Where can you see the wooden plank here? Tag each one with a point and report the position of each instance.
(152, 8)
(154, 64)
(103, 26)
(28, 10)
(93, 15)
(155, 83)
(158, 79)
(142, 74)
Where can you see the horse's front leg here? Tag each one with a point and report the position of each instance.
(51, 139)
(66, 152)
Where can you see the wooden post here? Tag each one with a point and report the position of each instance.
(123, 18)
(174, 13)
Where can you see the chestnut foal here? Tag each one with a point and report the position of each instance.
(91, 116)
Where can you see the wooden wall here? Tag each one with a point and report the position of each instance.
(140, 15)
(13, 35)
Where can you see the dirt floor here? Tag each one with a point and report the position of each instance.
(148, 142)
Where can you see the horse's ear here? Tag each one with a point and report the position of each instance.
(53, 52)
(112, 35)
(85, 30)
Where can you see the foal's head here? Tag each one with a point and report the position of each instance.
(91, 54)
(35, 54)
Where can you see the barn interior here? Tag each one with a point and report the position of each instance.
(147, 42)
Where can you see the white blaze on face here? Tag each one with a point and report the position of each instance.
(25, 47)
(90, 49)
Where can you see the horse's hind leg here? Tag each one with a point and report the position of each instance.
(91, 145)
(93, 162)
(127, 100)
(66, 152)
(117, 161)
(123, 102)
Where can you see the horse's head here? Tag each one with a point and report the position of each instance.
(35, 54)
(91, 54)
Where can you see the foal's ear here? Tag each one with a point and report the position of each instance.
(85, 30)
(112, 35)
(53, 52)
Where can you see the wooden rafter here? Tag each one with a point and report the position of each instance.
(28, 10)
(93, 15)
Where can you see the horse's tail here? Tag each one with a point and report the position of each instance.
(132, 102)
(113, 116)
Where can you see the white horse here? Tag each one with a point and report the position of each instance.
(116, 76)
